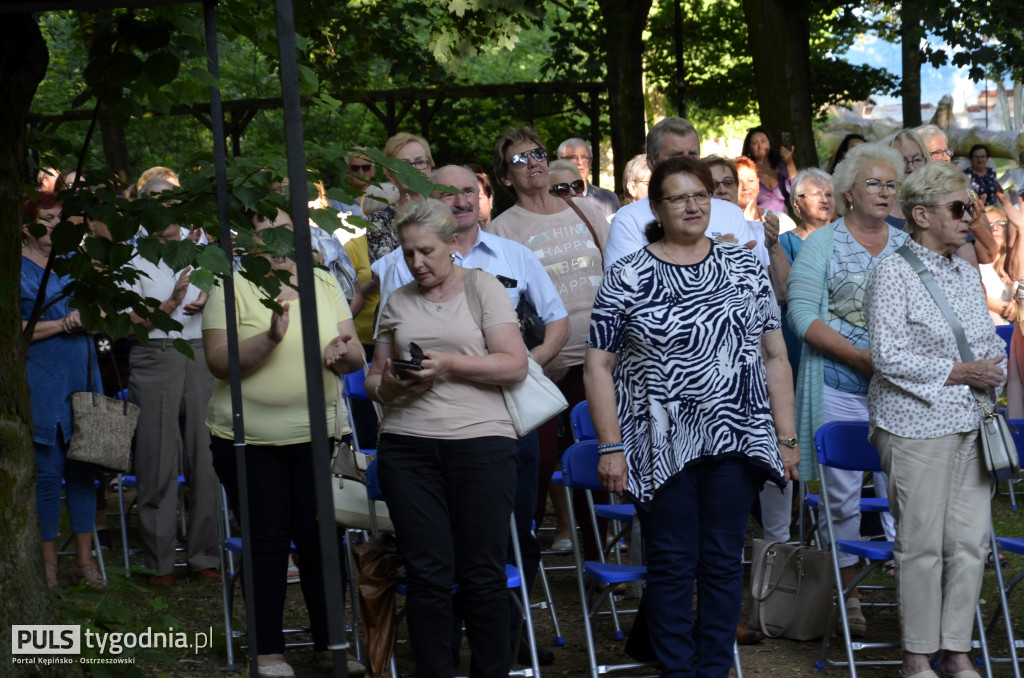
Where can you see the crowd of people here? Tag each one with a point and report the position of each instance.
(713, 319)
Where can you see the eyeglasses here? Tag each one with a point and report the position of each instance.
(523, 159)
(816, 195)
(942, 151)
(419, 163)
(562, 190)
(681, 199)
(361, 169)
(578, 159)
(915, 162)
(958, 208)
(1000, 224)
(875, 186)
(728, 182)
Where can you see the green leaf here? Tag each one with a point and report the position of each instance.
(98, 248)
(183, 348)
(205, 77)
(161, 68)
(249, 195)
(66, 236)
(326, 219)
(149, 249)
(308, 82)
(213, 259)
(203, 278)
(152, 36)
(123, 67)
(178, 254)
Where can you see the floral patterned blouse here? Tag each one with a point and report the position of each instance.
(986, 185)
(913, 348)
(380, 235)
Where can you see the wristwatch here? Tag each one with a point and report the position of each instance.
(789, 442)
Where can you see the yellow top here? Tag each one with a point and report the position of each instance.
(364, 320)
(274, 405)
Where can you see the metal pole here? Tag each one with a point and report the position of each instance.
(313, 358)
(234, 368)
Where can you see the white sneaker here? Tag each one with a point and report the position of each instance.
(562, 545)
(293, 574)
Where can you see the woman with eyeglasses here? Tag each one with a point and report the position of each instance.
(692, 398)
(924, 418)
(827, 284)
(568, 236)
(380, 235)
(915, 154)
(983, 177)
(636, 177)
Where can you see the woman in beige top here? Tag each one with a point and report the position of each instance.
(447, 450)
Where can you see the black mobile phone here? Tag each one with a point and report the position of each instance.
(787, 140)
(406, 365)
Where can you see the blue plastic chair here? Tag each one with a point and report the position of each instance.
(582, 424)
(1005, 333)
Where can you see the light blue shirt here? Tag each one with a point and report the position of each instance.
(627, 230)
(497, 256)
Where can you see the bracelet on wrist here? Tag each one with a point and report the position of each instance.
(610, 448)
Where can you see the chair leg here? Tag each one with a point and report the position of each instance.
(99, 552)
(124, 525)
(524, 603)
(550, 602)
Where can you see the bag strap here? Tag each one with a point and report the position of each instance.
(928, 280)
(765, 587)
(590, 227)
(473, 296)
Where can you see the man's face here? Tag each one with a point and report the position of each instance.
(579, 156)
(465, 204)
(938, 149)
(361, 171)
(675, 144)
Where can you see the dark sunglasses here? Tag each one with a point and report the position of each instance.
(562, 190)
(361, 169)
(958, 208)
(522, 159)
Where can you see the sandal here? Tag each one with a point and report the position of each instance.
(855, 617)
(90, 574)
(889, 567)
(990, 560)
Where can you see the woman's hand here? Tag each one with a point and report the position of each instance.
(279, 324)
(771, 229)
(979, 374)
(613, 471)
(1009, 311)
(72, 322)
(393, 385)
(862, 362)
(790, 462)
(197, 305)
(435, 363)
(336, 350)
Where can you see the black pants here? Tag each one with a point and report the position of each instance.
(282, 509)
(450, 501)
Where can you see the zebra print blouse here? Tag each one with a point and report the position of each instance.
(690, 382)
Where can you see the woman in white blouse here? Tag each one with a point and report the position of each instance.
(924, 420)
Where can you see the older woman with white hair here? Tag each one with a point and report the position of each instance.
(636, 178)
(813, 204)
(915, 154)
(925, 419)
(827, 284)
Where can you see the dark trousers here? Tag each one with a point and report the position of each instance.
(525, 503)
(694, 530)
(282, 509)
(450, 501)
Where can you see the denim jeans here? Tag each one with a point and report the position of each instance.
(693, 532)
(54, 469)
(450, 502)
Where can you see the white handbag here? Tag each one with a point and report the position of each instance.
(535, 399)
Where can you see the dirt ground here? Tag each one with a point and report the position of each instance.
(198, 605)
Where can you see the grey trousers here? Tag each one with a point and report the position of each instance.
(940, 495)
(173, 393)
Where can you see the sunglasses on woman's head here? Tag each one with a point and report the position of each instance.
(562, 190)
(958, 207)
(523, 159)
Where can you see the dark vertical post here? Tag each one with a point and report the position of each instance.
(595, 137)
(677, 35)
(312, 356)
(234, 369)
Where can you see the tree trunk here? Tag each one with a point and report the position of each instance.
(624, 24)
(25, 600)
(911, 35)
(779, 32)
(115, 143)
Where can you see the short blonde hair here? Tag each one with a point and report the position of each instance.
(400, 140)
(861, 155)
(431, 214)
(924, 186)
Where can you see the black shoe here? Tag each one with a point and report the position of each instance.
(545, 657)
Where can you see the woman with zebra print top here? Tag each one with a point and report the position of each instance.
(692, 395)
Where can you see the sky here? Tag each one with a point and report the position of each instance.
(935, 82)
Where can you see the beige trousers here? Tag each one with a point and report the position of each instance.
(940, 494)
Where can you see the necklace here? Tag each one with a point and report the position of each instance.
(665, 252)
(441, 297)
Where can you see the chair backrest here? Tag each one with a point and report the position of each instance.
(845, 445)
(355, 385)
(582, 424)
(372, 484)
(579, 466)
(1005, 333)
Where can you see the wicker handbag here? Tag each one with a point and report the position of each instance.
(102, 427)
